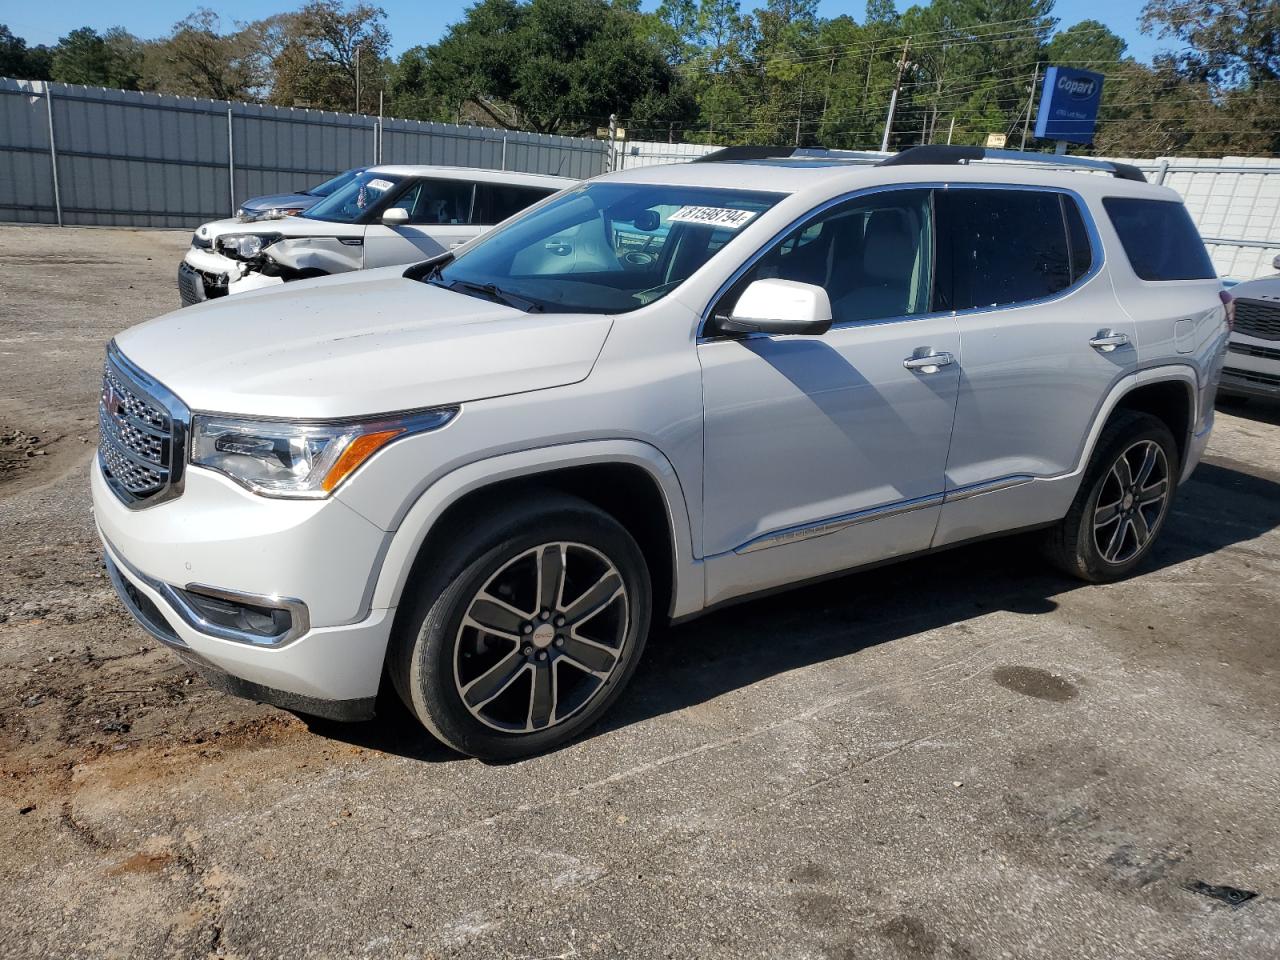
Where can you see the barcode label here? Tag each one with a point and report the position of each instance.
(713, 217)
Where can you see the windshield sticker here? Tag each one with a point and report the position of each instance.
(713, 217)
(379, 184)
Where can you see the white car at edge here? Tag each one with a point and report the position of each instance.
(383, 216)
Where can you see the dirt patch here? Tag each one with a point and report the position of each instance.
(17, 450)
(1034, 682)
(142, 863)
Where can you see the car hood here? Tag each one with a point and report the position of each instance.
(358, 344)
(258, 204)
(286, 226)
(1264, 288)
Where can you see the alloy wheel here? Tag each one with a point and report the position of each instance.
(541, 638)
(1132, 502)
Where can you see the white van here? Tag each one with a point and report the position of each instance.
(381, 217)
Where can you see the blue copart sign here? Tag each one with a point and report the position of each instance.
(1069, 105)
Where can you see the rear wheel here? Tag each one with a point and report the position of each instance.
(1122, 503)
(528, 634)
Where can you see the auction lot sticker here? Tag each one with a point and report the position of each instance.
(713, 217)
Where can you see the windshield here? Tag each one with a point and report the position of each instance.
(604, 247)
(332, 184)
(350, 202)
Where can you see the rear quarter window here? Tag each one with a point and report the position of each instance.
(1159, 239)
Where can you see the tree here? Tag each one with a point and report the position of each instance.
(1088, 44)
(320, 54)
(1231, 41)
(113, 59)
(199, 60)
(551, 66)
(20, 61)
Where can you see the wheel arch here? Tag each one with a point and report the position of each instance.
(629, 479)
(1168, 391)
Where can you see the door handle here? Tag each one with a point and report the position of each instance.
(1108, 340)
(930, 362)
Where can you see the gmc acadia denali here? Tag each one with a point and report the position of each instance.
(484, 476)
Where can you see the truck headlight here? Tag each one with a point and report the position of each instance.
(299, 460)
(246, 246)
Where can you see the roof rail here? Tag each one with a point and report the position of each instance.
(748, 153)
(939, 154)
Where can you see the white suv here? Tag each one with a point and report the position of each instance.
(483, 477)
(376, 217)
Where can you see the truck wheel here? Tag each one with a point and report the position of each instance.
(1122, 502)
(526, 632)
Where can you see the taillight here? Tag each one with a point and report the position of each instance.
(1229, 303)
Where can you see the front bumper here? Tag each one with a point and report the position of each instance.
(1252, 367)
(204, 275)
(216, 534)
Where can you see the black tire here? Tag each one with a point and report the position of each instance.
(1073, 545)
(431, 645)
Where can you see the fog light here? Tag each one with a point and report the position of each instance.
(256, 622)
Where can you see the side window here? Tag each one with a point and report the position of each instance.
(1077, 238)
(438, 201)
(998, 247)
(497, 201)
(873, 255)
(1159, 239)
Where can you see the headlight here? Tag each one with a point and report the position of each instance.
(246, 246)
(299, 460)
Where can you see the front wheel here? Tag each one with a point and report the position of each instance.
(528, 633)
(1122, 503)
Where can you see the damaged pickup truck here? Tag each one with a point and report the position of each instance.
(383, 216)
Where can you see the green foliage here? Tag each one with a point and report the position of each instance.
(711, 71)
(84, 56)
(20, 61)
(551, 66)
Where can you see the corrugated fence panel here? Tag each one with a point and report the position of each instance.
(26, 172)
(141, 159)
(138, 159)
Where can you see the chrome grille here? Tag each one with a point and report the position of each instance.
(1257, 318)
(141, 439)
(190, 285)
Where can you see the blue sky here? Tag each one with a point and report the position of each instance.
(413, 22)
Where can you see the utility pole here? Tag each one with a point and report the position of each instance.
(799, 110)
(1031, 99)
(357, 79)
(951, 130)
(893, 100)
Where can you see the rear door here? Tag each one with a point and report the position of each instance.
(1042, 341)
(440, 218)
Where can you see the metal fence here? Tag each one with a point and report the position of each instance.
(93, 156)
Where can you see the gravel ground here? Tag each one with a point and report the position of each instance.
(963, 756)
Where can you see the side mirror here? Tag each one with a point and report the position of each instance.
(780, 306)
(395, 216)
(1276, 262)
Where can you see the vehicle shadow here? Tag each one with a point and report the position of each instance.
(1257, 409)
(741, 645)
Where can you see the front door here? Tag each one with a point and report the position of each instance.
(827, 452)
(440, 218)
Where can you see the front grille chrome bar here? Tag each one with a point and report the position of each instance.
(143, 430)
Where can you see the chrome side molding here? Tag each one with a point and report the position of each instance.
(835, 524)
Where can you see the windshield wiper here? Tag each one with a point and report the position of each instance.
(494, 293)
